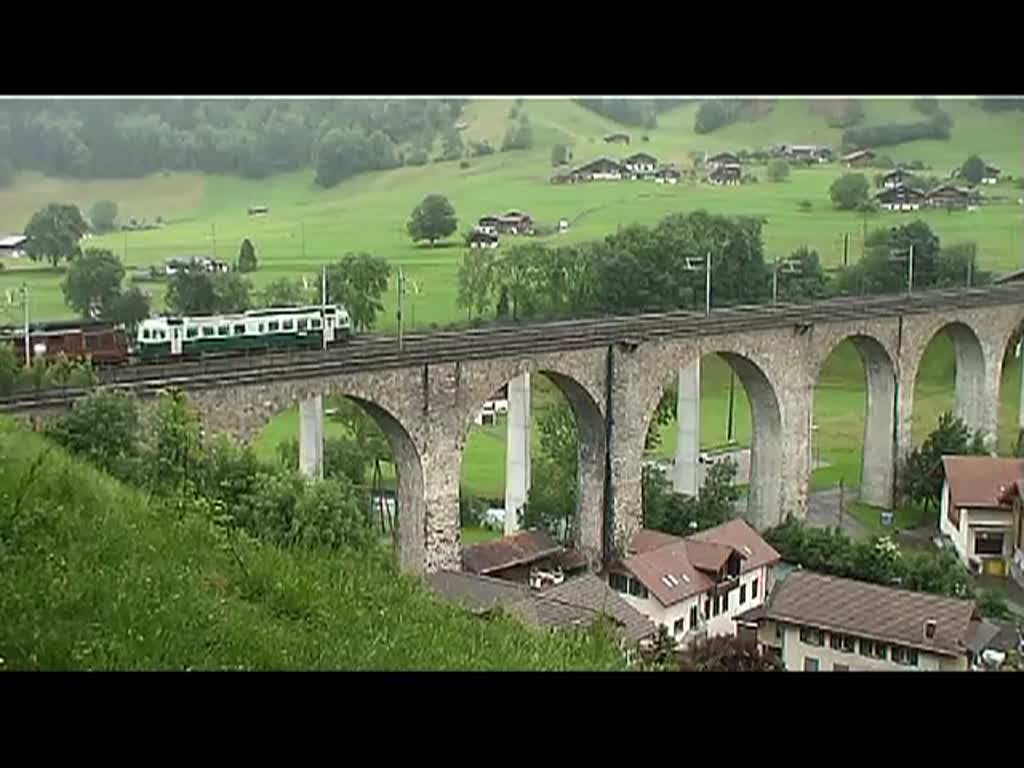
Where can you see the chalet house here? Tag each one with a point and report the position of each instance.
(667, 176)
(731, 174)
(991, 175)
(175, 264)
(901, 198)
(617, 138)
(565, 176)
(13, 246)
(601, 168)
(488, 224)
(813, 622)
(722, 158)
(515, 223)
(978, 512)
(640, 164)
(897, 178)
(694, 587)
(858, 159)
(807, 153)
(951, 196)
(574, 603)
(480, 239)
(529, 557)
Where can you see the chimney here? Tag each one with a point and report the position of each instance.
(929, 629)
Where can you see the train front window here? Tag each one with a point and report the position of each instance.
(145, 333)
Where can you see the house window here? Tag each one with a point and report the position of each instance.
(725, 603)
(844, 643)
(812, 636)
(637, 589)
(988, 543)
(904, 656)
(693, 617)
(679, 627)
(707, 608)
(811, 664)
(840, 667)
(618, 582)
(717, 606)
(743, 593)
(753, 590)
(873, 649)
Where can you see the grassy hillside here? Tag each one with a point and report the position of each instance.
(308, 226)
(94, 575)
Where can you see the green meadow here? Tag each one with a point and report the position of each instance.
(307, 227)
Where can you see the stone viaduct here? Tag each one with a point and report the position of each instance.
(426, 412)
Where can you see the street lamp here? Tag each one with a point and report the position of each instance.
(695, 264)
(906, 255)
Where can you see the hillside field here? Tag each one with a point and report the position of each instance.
(307, 227)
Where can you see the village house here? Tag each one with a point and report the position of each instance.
(603, 168)
(667, 175)
(730, 175)
(978, 513)
(901, 198)
(807, 153)
(565, 176)
(952, 196)
(857, 159)
(515, 223)
(1013, 495)
(617, 138)
(480, 239)
(578, 602)
(813, 622)
(695, 587)
(529, 557)
(488, 225)
(13, 246)
(720, 159)
(991, 175)
(897, 178)
(640, 164)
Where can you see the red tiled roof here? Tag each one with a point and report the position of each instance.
(520, 549)
(979, 481)
(668, 562)
(646, 539)
(740, 536)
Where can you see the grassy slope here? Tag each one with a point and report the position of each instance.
(94, 576)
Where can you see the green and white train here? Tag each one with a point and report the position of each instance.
(259, 330)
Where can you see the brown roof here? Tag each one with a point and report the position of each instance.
(475, 593)
(979, 481)
(651, 568)
(708, 556)
(872, 611)
(740, 536)
(647, 539)
(519, 549)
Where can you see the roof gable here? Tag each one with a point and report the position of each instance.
(979, 481)
(520, 549)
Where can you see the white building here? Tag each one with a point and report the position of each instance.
(976, 513)
(13, 246)
(641, 164)
(696, 586)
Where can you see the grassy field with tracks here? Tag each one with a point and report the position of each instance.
(307, 227)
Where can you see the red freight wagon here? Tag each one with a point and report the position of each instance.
(101, 342)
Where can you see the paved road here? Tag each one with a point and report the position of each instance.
(823, 512)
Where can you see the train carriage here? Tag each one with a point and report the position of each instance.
(311, 327)
(101, 342)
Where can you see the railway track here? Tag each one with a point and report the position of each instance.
(383, 353)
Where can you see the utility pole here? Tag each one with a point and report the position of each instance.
(124, 257)
(775, 281)
(303, 227)
(323, 305)
(732, 395)
(401, 290)
(213, 236)
(910, 270)
(707, 287)
(970, 269)
(846, 249)
(841, 494)
(24, 303)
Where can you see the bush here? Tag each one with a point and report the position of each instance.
(480, 148)
(464, 164)
(805, 205)
(418, 156)
(849, 191)
(778, 170)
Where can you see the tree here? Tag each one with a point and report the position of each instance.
(923, 473)
(727, 653)
(433, 219)
(285, 293)
(247, 257)
(809, 281)
(130, 308)
(664, 414)
(358, 281)
(103, 427)
(476, 281)
(519, 135)
(973, 169)
(671, 512)
(93, 283)
(8, 369)
(198, 292)
(54, 232)
(451, 146)
(849, 191)
(778, 170)
(560, 154)
(551, 503)
(177, 443)
(103, 215)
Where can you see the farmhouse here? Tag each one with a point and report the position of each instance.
(951, 196)
(901, 198)
(896, 178)
(667, 176)
(515, 223)
(13, 246)
(731, 174)
(617, 138)
(813, 622)
(694, 587)
(640, 164)
(601, 168)
(991, 175)
(175, 264)
(858, 159)
(527, 557)
(722, 158)
(578, 602)
(565, 176)
(978, 512)
(807, 153)
(478, 238)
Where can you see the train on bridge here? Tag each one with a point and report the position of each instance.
(159, 339)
